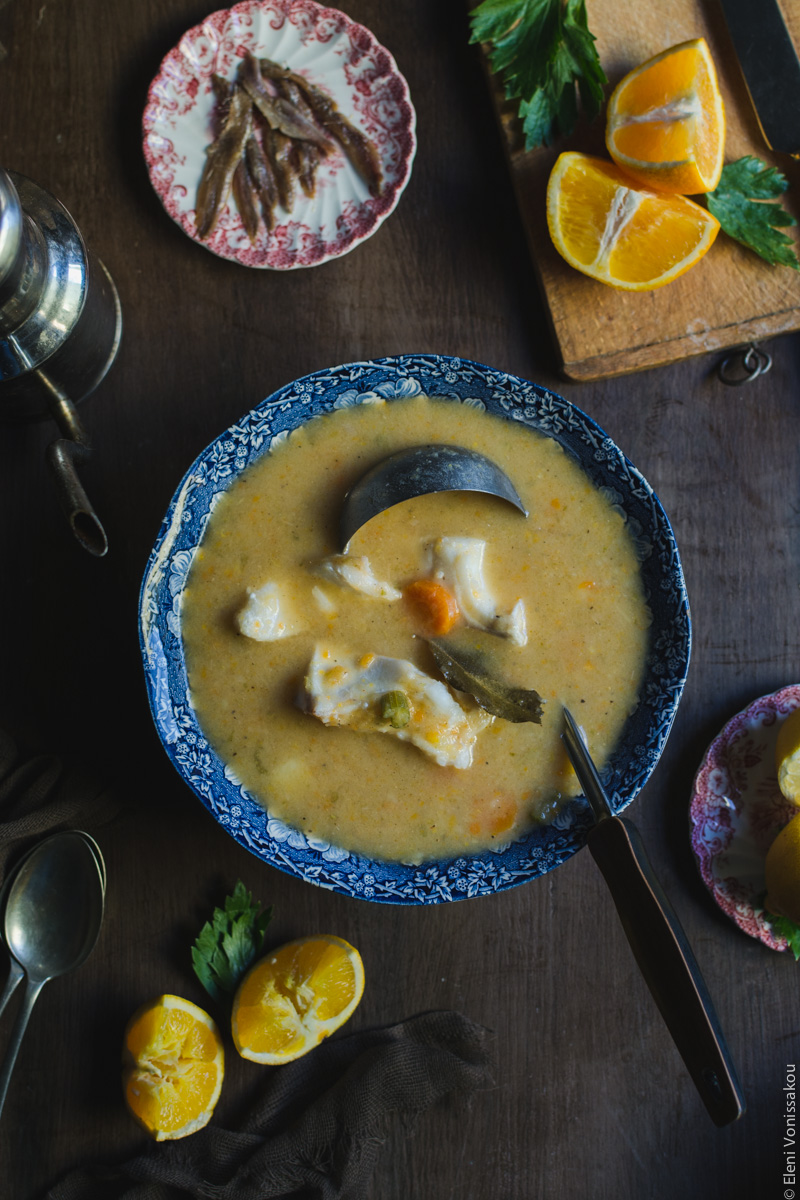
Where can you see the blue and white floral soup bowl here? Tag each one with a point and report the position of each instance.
(461, 381)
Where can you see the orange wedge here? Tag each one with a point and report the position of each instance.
(787, 756)
(782, 873)
(666, 122)
(173, 1064)
(622, 235)
(292, 999)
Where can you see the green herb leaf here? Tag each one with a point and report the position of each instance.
(744, 203)
(465, 667)
(542, 50)
(783, 927)
(229, 943)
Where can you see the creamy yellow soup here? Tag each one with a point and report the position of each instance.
(571, 562)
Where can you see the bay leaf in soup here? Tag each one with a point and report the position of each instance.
(467, 668)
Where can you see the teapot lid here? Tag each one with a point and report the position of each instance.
(10, 229)
(42, 288)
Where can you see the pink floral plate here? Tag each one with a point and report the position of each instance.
(737, 809)
(337, 55)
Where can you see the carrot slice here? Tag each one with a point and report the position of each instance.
(434, 604)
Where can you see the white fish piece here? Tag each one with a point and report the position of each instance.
(267, 615)
(458, 563)
(355, 571)
(343, 688)
(324, 602)
(513, 625)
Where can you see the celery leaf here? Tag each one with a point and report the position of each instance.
(542, 50)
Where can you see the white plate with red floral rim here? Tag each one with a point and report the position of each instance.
(737, 810)
(331, 51)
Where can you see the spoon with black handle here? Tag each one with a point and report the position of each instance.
(658, 941)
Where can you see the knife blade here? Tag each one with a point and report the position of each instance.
(770, 67)
(658, 941)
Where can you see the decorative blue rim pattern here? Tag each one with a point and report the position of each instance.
(497, 392)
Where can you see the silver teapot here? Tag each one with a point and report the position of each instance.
(60, 328)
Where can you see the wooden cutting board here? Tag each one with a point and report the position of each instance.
(731, 297)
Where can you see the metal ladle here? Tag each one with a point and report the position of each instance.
(418, 472)
(53, 914)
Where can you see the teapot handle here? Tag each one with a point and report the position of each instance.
(83, 520)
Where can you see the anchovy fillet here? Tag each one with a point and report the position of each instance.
(244, 195)
(263, 177)
(222, 158)
(280, 114)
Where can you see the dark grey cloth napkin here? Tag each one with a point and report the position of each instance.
(316, 1130)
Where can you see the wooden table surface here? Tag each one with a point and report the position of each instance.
(591, 1098)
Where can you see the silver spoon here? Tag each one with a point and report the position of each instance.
(53, 914)
(418, 472)
(15, 971)
(98, 854)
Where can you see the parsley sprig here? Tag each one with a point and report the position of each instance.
(542, 50)
(229, 943)
(783, 927)
(745, 204)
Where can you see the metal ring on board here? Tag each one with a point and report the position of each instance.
(751, 360)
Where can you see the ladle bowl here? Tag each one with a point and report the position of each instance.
(419, 472)
(51, 921)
